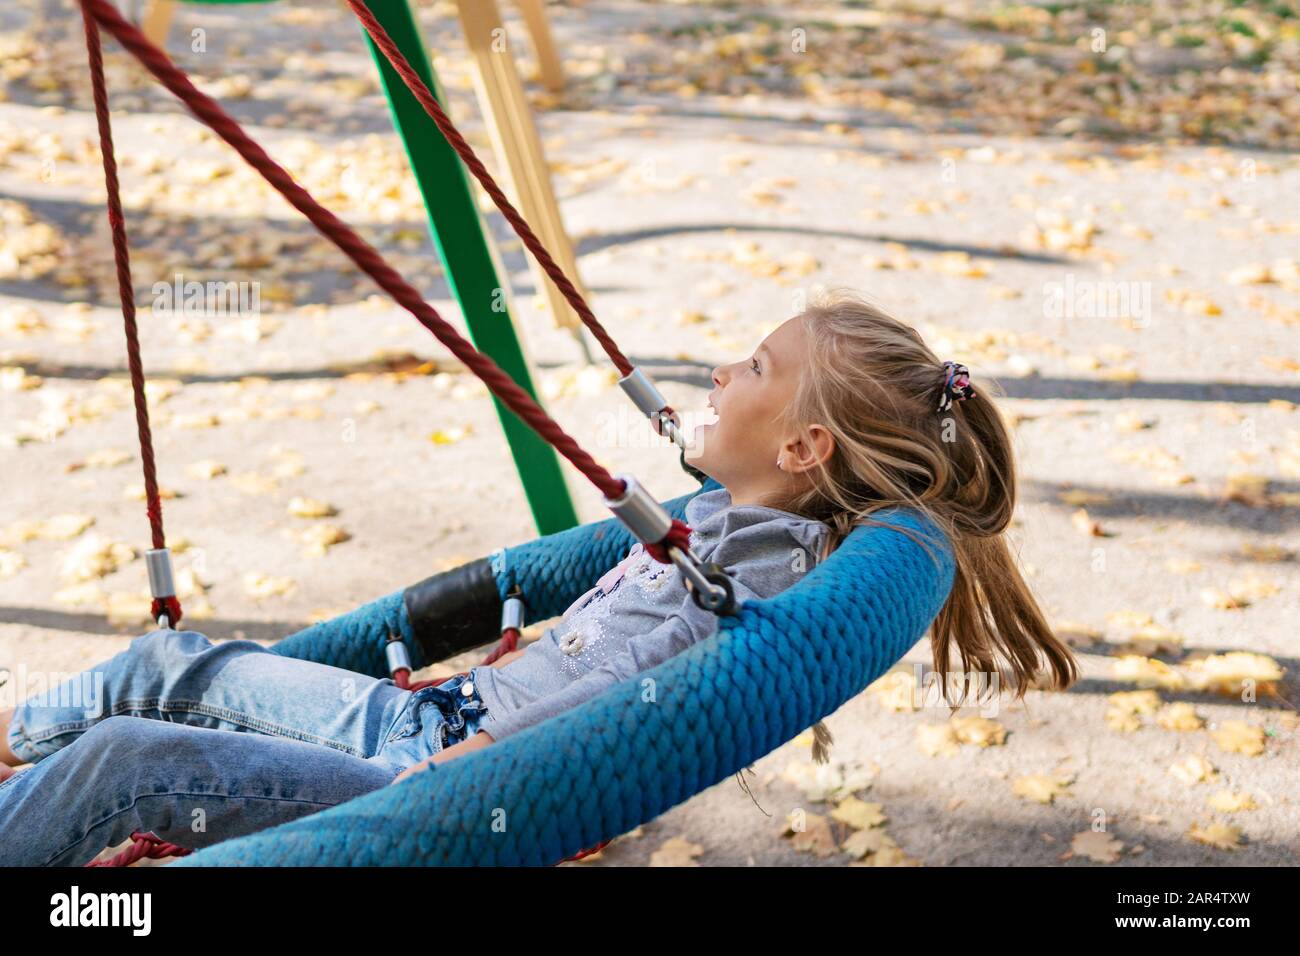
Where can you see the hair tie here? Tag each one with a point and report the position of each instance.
(956, 385)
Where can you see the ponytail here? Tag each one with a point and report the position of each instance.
(910, 432)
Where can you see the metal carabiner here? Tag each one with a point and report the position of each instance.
(650, 522)
(709, 584)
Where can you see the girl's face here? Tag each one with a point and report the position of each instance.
(741, 448)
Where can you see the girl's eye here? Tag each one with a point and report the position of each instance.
(753, 365)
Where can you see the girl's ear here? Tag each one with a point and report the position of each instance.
(804, 453)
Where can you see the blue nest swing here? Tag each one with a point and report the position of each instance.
(615, 762)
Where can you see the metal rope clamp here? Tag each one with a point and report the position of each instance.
(395, 652)
(512, 613)
(650, 522)
(158, 562)
(651, 402)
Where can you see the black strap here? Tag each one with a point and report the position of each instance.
(455, 610)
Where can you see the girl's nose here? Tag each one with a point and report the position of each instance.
(718, 374)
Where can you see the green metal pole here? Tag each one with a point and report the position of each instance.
(469, 260)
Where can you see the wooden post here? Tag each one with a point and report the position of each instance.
(515, 142)
(158, 20)
(550, 69)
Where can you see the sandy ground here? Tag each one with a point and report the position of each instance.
(703, 217)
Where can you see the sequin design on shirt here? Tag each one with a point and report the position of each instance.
(606, 586)
(582, 645)
(653, 576)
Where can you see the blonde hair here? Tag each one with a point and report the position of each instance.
(877, 388)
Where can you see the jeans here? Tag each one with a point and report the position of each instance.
(197, 743)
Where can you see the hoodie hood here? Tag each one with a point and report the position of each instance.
(713, 517)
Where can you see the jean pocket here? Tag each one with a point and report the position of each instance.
(464, 720)
(408, 728)
(406, 722)
(417, 739)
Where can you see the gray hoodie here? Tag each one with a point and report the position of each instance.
(640, 614)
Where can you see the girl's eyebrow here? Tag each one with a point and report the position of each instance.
(767, 351)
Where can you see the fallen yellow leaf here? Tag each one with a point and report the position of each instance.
(1194, 770)
(1235, 736)
(1226, 801)
(311, 508)
(1221, 836)
(1041, 787)
(1096, 845)
(676, 851)
(858, 813)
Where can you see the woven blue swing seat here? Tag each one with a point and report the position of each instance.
(616, 761)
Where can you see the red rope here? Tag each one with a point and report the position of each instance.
(357, 249)
(678, 536)
(169, 606)
(588, 852)
(125, 288)
(126, 293)
(420, 90)
(508, 643)
(145, 845)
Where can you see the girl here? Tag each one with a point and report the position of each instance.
(840, 413)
